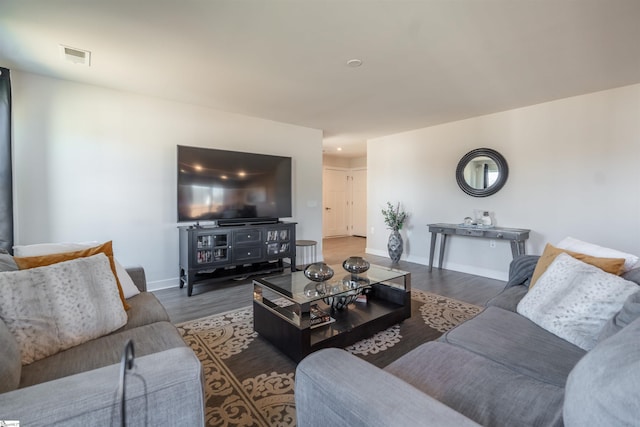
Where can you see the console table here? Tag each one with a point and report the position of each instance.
(517, 237)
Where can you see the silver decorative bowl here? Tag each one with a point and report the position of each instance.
(341, 301)
(318, 272)
(356, 265)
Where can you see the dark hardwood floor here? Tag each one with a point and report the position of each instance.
(215, 298)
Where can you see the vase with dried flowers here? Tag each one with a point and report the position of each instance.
(394, 218)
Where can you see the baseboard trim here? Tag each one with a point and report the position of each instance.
(462, 268)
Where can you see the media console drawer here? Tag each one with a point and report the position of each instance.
(247, 236)
(247, 254)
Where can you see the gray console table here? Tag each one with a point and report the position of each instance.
(517, 237)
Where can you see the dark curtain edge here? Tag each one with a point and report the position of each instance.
(6, 171)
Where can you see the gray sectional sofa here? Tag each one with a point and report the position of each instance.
(77, 387)
(497, 369)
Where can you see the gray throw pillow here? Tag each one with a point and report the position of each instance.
(630, 311)
(7, 263)
(632, 275)
(10, 365)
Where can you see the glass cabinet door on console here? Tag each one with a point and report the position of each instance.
(211, 248)
(278, 242)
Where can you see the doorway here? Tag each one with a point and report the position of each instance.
(334, 200)
(344, 202)
(359, 202)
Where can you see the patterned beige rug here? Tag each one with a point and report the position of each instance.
(248, 382)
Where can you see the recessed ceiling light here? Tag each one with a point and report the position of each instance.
(339, 148)
(354, 63)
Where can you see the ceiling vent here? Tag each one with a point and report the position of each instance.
(76, 56)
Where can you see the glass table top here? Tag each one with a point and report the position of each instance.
(302, 290)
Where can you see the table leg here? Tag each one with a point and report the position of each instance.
(522, 248)
(443, 242)
(514, 248)
(434, 235)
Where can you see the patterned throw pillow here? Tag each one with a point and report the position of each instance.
(610, 265)
(569, 243)
(49, 309)
(574, 300)
(129, 289)
(43, 260)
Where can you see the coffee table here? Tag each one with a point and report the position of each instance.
(282, 303)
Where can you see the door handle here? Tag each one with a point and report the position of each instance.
(327, 209)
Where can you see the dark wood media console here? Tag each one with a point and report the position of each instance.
(212, 253)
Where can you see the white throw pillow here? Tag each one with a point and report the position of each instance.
(129, 289)
(574, 300)
(49, 309)
(586, 248)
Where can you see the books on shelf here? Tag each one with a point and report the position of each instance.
(319, 317)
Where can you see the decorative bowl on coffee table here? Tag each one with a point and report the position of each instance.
(356, 265)
(318, 272)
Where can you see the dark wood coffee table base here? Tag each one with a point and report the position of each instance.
(386, 307)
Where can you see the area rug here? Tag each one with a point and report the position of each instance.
(248, 382)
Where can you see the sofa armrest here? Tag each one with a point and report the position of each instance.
(335, 388)
(164, 388)
(137, 275)
(521, 269)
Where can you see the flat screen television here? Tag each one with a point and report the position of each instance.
(232, 187)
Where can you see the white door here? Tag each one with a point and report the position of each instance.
(334, 213)
(359, 203)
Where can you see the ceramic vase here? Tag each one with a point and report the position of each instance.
(395, 246)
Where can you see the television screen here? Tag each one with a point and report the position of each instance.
(217, 185)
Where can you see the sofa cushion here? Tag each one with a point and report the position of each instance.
(485, 391)
(514, 341)
(10, 365)
(550, 253)
(599, 251)
(574, 300)
(49, 309)
(509, 298)
(101, 352)
(603, 389)
(129, 289)
(145, 309)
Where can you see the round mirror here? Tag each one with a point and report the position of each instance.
(482, 172)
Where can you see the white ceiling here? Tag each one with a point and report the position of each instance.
(424, 62)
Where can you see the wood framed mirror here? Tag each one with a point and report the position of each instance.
(482, 172)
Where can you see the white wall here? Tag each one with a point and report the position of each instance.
(573, 171)
(97, 164)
